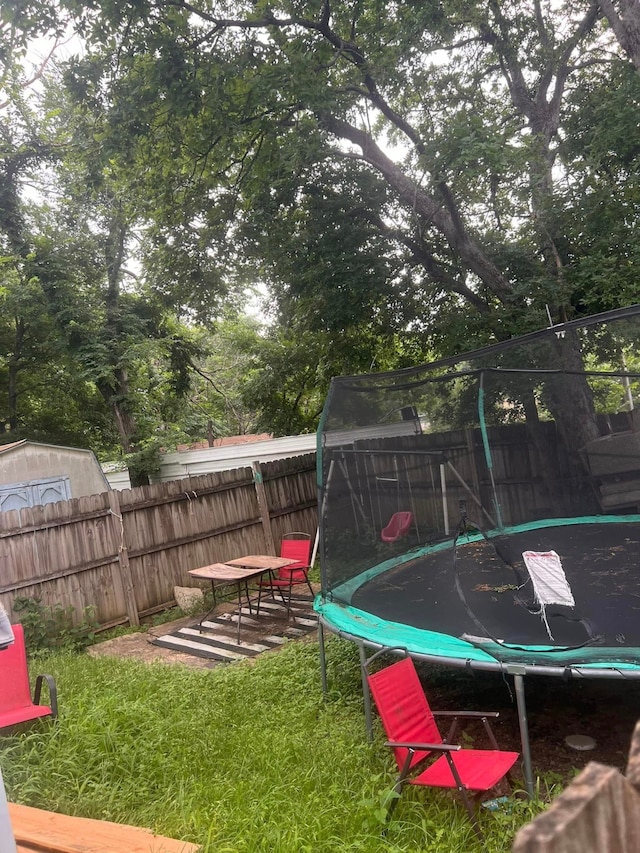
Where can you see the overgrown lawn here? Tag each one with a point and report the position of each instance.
(242, 758)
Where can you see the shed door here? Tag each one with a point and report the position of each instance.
(34, 493)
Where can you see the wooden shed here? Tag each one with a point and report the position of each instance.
(32, 474)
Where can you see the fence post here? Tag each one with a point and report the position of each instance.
(263, 506)
(126, 578)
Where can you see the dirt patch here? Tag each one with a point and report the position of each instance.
(139, 646)
(605, 710)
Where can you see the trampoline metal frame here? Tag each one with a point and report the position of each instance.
(517, 670)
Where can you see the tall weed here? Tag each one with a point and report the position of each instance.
(243, 758)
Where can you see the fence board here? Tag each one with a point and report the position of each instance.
(599, 811)
(122, 553)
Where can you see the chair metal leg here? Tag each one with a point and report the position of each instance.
(397, 789)
(471, 812)
(462, 791)
(289, 599)
(400, 782)
(273, 591)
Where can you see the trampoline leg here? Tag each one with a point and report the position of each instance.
(524, 734)
(365, 694)
(323, 659)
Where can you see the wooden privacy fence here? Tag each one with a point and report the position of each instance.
(430, 474)
(122, 553)
(598, 813)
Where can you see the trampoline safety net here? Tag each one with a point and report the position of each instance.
(435, 481)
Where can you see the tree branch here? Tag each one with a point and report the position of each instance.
(626, 26)
(424, 205)
(434, 268)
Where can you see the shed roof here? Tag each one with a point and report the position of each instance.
(4, 448)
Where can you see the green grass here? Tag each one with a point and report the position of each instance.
(242, 758)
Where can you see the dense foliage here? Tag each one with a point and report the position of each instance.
(401, 180)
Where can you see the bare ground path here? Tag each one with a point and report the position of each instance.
(139, 645)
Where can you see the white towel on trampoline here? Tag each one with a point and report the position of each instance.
(550, 583)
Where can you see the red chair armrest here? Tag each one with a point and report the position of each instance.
(482, 716)
(431, 747)
(409, 768)
(470, 714)
(53, 693)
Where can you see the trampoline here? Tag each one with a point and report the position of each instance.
(519, 467)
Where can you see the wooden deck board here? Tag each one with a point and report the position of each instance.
(39, 831)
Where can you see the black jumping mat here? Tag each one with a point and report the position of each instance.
(485, 590)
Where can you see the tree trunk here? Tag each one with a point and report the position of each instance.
(118, 396)
(559, 494)
(13, 370)
(115, 397)
(570, 400)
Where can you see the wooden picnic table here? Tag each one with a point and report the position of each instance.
(238, 572)
(261, 561)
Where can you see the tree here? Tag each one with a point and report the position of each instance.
(33, 269)
(231, 110)
(66, 315)
(402, 176)
(600, 203)
(218, 368)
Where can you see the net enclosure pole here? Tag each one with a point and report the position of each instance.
(316, 545)
(443, 487)
(487, 449)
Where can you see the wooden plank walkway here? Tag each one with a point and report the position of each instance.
(218, 639)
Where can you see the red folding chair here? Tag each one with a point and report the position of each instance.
(16, 705)
(295, 546)
(422, 756)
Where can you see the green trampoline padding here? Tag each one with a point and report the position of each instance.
(342, 615)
